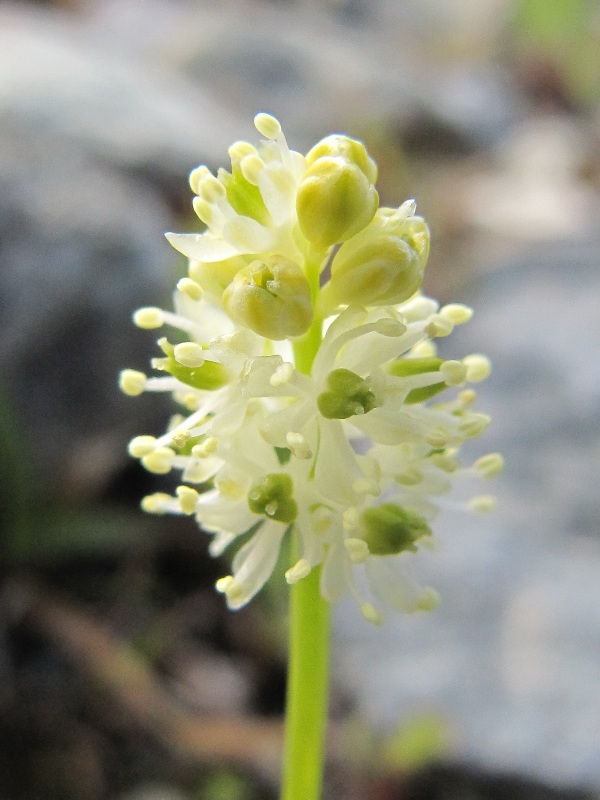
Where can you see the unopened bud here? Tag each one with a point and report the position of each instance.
(381, 265)
(336, 198)
(271, 296)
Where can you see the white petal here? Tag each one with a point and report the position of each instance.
(202, 246)
(247, 235)
(278, 189)
(254, 563)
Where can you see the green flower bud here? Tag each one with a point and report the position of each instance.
(336, 198)
(273, 497)
(271, 296)
(389, 529)
(348, 395)
(381, 265)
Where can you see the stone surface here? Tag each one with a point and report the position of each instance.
(512, 657)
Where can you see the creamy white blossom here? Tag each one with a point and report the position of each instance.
(313, 400)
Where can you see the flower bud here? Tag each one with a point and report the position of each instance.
(271, 296)
(352, 150)
(336, 198)
(381, 265)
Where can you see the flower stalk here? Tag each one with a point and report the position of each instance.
(307, 691)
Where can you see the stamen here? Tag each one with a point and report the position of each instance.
(366, 486)
(206, 448)
(141, 445)
(189, 354)
(439, 326)
(371, 614)
(351, 519)
(190, 288)
(188, 499)
(282, 375)
(457, 313)
(159, 461)
(223, 584)
(298, 445)
(429, 600)
(478, 367)
(132, 382)
(357, 549)
(454, 373)
(197, 176)
(489, 465)
(180, 438)
(483, 503)
(251, 166)
(300, 570)
(149, 318)
(157, 503)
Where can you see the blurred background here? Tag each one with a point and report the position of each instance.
(122, 677)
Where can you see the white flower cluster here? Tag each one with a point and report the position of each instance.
(303, 358)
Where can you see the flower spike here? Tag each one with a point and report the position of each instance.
(312, 401)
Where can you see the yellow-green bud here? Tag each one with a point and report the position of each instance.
(336, 198)
(381, 265)
(352, 150)
(271, 296)
(389, 529)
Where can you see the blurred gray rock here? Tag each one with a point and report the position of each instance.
(67, 80)
(338, 64)
(93, 149)
(81, 247)
(512, 656)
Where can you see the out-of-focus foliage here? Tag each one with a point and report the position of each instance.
(563, 36)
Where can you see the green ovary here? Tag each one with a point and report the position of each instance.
(347, 395)
(273, 497)
(389, 529)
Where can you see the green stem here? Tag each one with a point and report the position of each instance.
(306, 709)
(308, 668)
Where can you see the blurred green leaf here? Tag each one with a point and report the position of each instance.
(420, 740)
(565, 33)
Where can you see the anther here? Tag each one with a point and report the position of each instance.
(132, 382)
(156, 503)
(300, 570)
(190, 288)
(282, 375)
(357, 549)
(189, 354)
(188, 499)
(149, 318)
(159, 461)
(141, 446)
